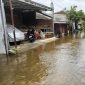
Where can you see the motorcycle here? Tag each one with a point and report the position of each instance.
(31, 38)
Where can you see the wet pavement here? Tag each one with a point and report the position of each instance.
(57, 63)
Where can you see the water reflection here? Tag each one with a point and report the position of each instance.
(58, 63)
(22, 69)
(79, 35)
(67, 66)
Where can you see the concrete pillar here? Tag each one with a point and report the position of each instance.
(3, 31)
(2, 46)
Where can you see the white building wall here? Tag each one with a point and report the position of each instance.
(60, 18)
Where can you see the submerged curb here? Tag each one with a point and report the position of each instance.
(27, 46)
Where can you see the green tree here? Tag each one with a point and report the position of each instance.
(82, 26)
(74, 16)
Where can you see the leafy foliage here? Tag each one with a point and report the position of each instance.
(82, 26)
(74, 15)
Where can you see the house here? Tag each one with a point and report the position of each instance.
(24, 13)
(60, 23)
(44, 23)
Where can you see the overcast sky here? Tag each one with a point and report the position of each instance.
(61, 4)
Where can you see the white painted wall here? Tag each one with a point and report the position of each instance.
(60, 17)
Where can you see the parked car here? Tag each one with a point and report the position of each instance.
(19, 34)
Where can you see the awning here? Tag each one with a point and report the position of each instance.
(61, 22)
(27, 5)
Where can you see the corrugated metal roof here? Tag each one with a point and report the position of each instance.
(27, 5)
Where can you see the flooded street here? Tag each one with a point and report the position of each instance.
(57, 63)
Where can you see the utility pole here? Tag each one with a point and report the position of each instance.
(12, 20)
(52, 6)
(5, 35)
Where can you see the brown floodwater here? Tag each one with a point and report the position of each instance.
(57, 63)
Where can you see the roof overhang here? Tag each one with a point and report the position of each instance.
(41, 16)
(27, 5)
(61, 22)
